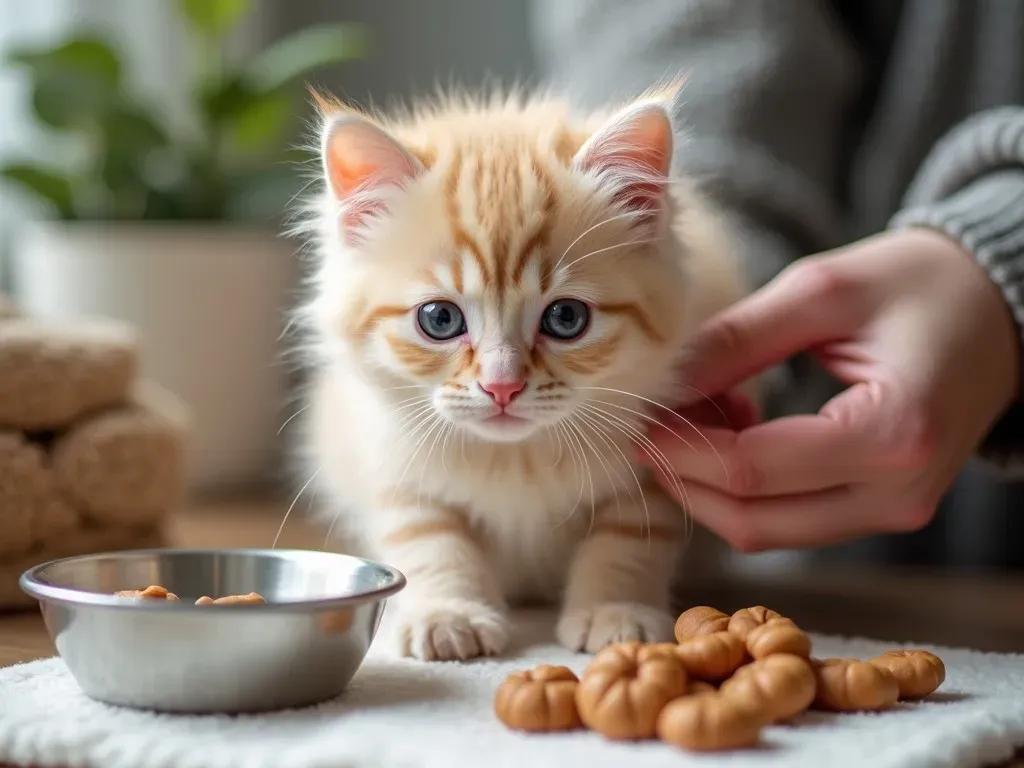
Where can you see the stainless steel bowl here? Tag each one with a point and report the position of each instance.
(301, 648)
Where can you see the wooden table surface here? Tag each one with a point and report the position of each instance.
(978, 611)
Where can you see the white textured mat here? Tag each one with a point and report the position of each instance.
(406, 713)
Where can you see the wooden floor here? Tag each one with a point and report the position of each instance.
(975, 611)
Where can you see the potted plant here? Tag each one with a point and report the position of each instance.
(175, 228)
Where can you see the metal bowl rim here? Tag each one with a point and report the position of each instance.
(38, 590)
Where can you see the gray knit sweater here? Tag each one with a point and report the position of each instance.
(815, 123)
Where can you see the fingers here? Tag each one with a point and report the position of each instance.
(860, 436)
(797, 454)
(732, 410)
(805, 306)
(797, 522)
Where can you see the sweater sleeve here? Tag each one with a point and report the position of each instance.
(971, 186)
(765, 106)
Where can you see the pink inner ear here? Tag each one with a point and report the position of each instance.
(360, 161)
(634, 152)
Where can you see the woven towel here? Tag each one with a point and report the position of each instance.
(430, 715)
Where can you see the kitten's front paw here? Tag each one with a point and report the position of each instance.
(451, 629)
(591, 629)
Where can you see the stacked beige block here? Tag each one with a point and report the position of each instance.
(91, 458)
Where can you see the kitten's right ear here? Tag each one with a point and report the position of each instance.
(361, 163)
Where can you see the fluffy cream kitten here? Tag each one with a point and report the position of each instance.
(504, 288)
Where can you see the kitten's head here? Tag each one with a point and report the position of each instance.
(510, 262)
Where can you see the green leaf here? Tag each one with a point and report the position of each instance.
(261, 120)
(127, 130)
(214, 17)
(87, 57)
(220, 100)
(73, 82)
(48, 185)
(291, 57)
(248, 118)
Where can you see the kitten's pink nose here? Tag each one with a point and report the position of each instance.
(503, 392)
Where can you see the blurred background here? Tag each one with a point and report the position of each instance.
(148, 156)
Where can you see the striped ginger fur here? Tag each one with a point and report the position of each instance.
(499, 465)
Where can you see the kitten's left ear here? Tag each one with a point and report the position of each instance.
(633, 152)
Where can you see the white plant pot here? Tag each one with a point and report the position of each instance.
(208, 302)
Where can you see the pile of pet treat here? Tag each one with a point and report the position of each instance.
(723, 681)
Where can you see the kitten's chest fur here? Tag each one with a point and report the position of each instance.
(528, 506)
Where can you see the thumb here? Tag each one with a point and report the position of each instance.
(809, 304)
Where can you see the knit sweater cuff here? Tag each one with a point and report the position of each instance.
(972, 188)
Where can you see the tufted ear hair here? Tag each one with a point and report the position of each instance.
(632, 151)
(363, 166)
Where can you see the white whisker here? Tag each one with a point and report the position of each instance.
(410, 417)
(574, 262)
(330, 529)
(444, 446)
(434, 423)
(637, 437)
(639, 486)
(288, 420)
(645, 444)
(664, 426)
(604, 464)
(609, 220)
(414, 399)
(572, 430)
(425, 420)
(577, 468)
(715, 405)
(292, 506)
(426, 459)
(561, 450)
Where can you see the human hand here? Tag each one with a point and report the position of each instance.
(928, 349)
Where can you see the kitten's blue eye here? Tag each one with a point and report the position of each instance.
(441, 320)
(565, 319)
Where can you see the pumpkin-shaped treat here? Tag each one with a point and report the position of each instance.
(711, 657)
(778, 636)
(538, 700)
(625, 687)
(917, 673)
(780, 686)
(850, 685)
(700, 620)
(746, 619)
(708, 722)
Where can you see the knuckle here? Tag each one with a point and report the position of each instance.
(735, 529)
(745, 539)
(727, 519)
(915, 444)
(913, 517)
(727, 336)
(822, 280)
(744, 478)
